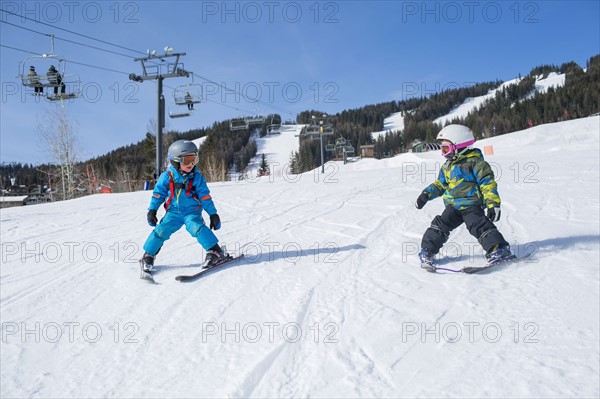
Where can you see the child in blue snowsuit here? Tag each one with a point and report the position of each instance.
(183, 190)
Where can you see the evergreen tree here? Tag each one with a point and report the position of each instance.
(263, 169)
(513, 108)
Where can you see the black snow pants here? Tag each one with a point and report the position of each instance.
(477, 223)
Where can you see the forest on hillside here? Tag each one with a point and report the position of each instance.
(514, 108)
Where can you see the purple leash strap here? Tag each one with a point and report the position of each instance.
(435, 268)
(448, 270)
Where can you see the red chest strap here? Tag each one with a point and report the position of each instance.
(179, 186)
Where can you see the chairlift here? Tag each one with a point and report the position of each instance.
(68, 88)
(273, 129)
(313, 129)
(255, 120)
(182, 114)
(190, 93)
(238, 124)
(46, 71)
(187, 94)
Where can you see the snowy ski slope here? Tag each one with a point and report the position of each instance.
(395, 122)
(277, 149)
(330, 300)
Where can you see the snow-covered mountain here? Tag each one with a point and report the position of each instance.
(395, 122)
(329, 301)
(277, 149)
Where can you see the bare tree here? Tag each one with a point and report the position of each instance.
(152, 127)
(58, 137)
(214, 168)
(123, 178)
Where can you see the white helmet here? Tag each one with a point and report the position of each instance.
(460, 136)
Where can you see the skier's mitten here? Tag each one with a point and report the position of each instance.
(422, 200)
(152, 219)
(215, 222)
(493, 213)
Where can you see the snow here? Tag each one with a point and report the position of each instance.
(473, 103)
(394, 122)
(199, 141)
(277, 149)
(329, 301)
(542, 84)
(14, 198)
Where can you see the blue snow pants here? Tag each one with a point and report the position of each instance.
(172, 222)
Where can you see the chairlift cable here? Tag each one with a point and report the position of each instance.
(97, 67)
(277, 108)
(70, 62)
(212, 101)
(67, 40)
(127, 73)
(18, 49)
(72, 32)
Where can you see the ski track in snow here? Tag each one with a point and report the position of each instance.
(332, 260)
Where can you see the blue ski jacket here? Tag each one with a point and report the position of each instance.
(182, 193)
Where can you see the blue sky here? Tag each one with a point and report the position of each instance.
(290, 55)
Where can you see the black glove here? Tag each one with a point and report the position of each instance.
(215, 222)
(493, 213)
(422, 200)
(152, 219)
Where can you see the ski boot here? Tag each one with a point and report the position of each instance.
(146, 266)
(426, 258)
(214, 256)
(147, 262)
(499, 254)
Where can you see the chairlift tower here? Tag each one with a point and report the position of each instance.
(320, 129)
(153, 72)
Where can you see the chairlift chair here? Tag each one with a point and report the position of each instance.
(181, 97)
(255, 120)
(328, 129)
(182, 114)
(238, 124)
(46, 83)
(340, 142)
(313, 129)
(273, 129)
(34, 72)
(72, 85)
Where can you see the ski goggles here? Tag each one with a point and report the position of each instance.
(449, 148)
(186, 160)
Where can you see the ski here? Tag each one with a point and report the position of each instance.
(144, 275)
(225, 261)
(432, 268)
(476, 269)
